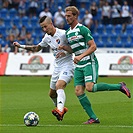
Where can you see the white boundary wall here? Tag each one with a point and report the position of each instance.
(110, 64)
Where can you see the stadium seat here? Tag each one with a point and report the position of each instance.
(104, 38)
(96, 37)
(100, 29)
(119, 44)
(2, 42)
(118, 29)
(7, 22)
(109, 44)
(129, 29)
(37, 30)
(109, 29)
(25, 21)
(34, 21)
(29, 28)
(128, 45)
(3, 30)
(100, 44)
(113, 38)
(124, 38)
(3, 13)
(12, 12)
(16, 20)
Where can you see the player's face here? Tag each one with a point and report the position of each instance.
(69, 17)
(46, 27)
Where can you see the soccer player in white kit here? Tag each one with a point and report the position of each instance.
(63, 65)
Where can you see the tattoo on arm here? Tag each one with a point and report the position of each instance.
(32, 48)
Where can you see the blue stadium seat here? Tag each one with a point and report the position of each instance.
(37, 30)
(124, 37)
(118, 29)
(128, 45)
(12, 12)
(100, 29)
(100, 44)
(104, 38)
(96, 37)
(3, 13)
(129, 29)
(29, 28)
(113, 38)
(2, 42)
(34, 21)
(109, 29)
(16, 20)
(119, 44)
(3, 30)
(110, 44)
(25, 21)
(7, 22)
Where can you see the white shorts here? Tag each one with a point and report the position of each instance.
(64, 73)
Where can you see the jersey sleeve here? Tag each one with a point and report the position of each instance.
(86, 33)
(44, 43)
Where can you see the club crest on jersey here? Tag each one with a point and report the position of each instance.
(58, 41)
(65, 73)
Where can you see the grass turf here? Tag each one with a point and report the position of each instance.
(19, 95)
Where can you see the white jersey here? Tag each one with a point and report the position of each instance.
(59, 38)
(64, 66)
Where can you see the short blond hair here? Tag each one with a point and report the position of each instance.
(73, 9)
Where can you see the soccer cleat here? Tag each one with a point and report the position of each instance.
(91, 121)
(58, 114)
(125, 90)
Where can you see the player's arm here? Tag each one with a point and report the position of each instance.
(33, 48)
(92, 47)
(66, 48)
(90, 50)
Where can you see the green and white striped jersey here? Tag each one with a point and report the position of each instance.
(78, 38)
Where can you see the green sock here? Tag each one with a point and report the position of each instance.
(84, 101)
(105, 87)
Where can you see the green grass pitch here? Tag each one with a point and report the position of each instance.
(19, 95)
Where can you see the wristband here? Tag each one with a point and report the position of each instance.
(22, 46)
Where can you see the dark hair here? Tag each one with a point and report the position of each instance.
(42, 19)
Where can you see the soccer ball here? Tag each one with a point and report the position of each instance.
(31, 119)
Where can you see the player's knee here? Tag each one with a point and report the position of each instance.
(79, 92)
(89, 87)
(60, 85)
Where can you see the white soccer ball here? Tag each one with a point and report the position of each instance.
(31, 119)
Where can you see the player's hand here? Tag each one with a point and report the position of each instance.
(61, 47)
(77, 59)
(16, 44)
(60, 54)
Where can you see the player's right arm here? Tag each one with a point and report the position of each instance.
(33, 48)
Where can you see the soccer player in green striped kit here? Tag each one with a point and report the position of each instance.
(83, 46)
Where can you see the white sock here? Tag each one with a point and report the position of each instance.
(54, 101)
(61, 98)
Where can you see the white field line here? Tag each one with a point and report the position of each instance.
(99, 126)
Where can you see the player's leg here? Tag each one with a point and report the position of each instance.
(92, 78)
(61, 96)
(83, 99)
(52, 92)
(53, 96)
(65, 77)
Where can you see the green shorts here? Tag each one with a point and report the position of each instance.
(89, 73)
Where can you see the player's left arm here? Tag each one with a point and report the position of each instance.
(91, 46)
